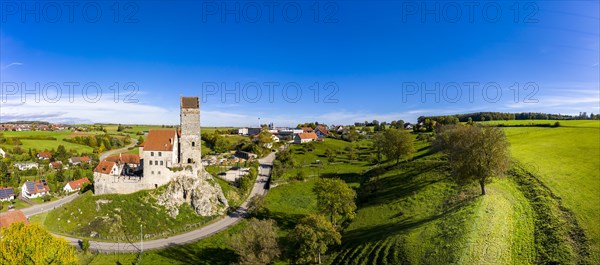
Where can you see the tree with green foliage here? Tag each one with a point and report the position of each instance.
(33, 244)
(85, 245)
(475, 153)
(257, 243)
(330, 155)
(256, 205)
(312, 236)
(335, 198)
(397, 144)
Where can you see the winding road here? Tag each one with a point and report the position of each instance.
(193, 236)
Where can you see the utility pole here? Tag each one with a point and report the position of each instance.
(141, 240)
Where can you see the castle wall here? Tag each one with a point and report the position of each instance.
(111, 184)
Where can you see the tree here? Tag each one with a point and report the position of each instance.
(379, 144)
(312, 236)
(475, 153)
(85, 245)
(257, 243)
(335, 198)
(330, 155)
(256, 205)
(398, 144)
(32, 244)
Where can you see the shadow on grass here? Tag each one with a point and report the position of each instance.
(379, 232)
(284, 220)
(191, 254)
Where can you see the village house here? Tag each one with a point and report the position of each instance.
(302, 138)
(80, 160)
(55, 165)
(25, 165)
(7, 194)
(322, 131)
(44, 155)
(35, 189)
(8, 218)
(75, 185)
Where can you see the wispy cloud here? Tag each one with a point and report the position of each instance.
(11, 65)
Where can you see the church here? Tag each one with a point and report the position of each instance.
(164, 152)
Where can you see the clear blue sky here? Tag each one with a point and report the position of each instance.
(364, 52)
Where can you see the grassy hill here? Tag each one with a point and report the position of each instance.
(118, 217)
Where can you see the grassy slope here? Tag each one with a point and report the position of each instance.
(120, 218)
(567, 160)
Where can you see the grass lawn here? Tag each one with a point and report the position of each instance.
(567, 160)
(41, 145)
(117, 217)
(18, 204)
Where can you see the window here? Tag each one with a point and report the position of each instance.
(159, 172)
(150, 162)
(159, 153)
(189, 160)
(161, 163)
(156, 162)
(151, 153)
(152, 172)
(193, 144)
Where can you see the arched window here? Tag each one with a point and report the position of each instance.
(189, 160)
(193, 144)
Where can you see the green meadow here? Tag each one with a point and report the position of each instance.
(567, 160)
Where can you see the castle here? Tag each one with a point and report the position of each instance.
(163, 153)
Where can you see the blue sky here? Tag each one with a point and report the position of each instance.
(383, 60)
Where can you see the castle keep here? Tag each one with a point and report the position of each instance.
(163, 151)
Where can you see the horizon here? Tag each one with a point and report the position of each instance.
(331, 62)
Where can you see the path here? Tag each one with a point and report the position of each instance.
(193, 236)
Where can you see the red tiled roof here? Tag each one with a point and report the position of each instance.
(190, 102)
(45, 154)
(310, 135)
(124, 158)
(85, 159)
(77, 184)
(160, 140)
(104, 167)
(6, 219)
(307, 129)
(55, 164)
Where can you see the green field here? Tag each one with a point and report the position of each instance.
(567, 160)
(42, 145)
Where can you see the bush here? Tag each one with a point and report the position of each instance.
(300, 175)
(85, 245)
(46, 198)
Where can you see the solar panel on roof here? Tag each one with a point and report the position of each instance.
(30, 186)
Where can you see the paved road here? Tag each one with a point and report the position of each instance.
(193, 236)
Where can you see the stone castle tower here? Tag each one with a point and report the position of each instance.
(189, 143)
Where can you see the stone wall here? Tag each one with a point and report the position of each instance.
(190, 144)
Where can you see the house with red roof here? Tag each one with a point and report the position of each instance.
(80, 160)
(35, 189)
(302, 138)
(75, 185)
(10, 217)
(44, 155)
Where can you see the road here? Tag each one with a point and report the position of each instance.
(193, 236)
(40, 208)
